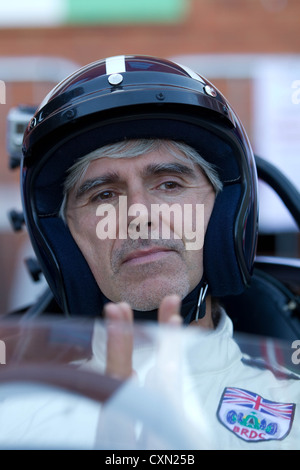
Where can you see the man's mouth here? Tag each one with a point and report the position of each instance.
(147, 256)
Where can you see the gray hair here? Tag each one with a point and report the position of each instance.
(136, 148)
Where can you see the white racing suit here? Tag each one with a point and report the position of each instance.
(191, 390)
(224, 401)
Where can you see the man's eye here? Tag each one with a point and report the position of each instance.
(103, 196)
(168, 185)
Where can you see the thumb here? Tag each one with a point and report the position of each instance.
(119, 340)
(169, 310)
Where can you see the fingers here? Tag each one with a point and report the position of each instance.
(119, 340)
(120, 333)
(169, 310)
(118, 312)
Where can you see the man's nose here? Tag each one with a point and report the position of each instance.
(139, 212)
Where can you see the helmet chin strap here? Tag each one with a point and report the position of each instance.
(195, 308)
(201, 306)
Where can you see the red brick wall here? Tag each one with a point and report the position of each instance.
(210, 26)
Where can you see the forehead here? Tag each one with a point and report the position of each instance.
(137, 164)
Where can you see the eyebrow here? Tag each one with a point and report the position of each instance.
(161, 168)
(150, 170)
(88, 185)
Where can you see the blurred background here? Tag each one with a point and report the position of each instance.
(250, 49)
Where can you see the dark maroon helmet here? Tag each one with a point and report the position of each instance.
(129, 97)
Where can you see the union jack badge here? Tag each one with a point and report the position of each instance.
(252, 417)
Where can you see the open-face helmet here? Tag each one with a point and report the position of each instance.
(130, 97)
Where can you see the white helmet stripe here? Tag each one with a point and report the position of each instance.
(115, 64)
(191, 73)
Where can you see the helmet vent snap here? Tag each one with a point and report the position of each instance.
(115, 79)
(209, 90)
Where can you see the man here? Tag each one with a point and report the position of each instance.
(142, 267)
(109, 153)
(124, 99)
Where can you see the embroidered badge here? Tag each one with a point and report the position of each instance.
(252, 417)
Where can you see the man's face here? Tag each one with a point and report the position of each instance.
(138, 263)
